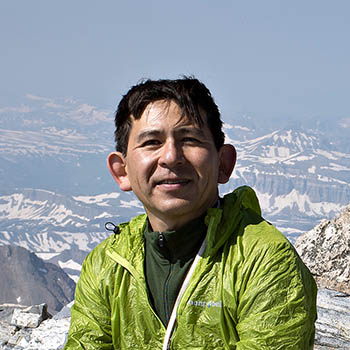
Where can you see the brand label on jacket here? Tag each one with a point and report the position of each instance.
(205, 304)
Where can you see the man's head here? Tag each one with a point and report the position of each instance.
(192, 97)
(171, 154)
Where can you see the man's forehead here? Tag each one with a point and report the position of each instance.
(168, 111)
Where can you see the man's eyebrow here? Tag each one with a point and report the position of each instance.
(185, 130)
(148, 133)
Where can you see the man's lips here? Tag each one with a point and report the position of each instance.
(173, 182)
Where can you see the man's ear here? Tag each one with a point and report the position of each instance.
(227, 156)
(117, 167)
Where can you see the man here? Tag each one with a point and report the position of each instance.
(196, 271)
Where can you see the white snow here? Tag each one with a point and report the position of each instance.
(278, 152)
(132, 203)
(335, 167)
(301, 158)
(326, 154)
(70, 264)
(312, 169)
(303, 203)
(103, 215)
(75, 278)
(264, 199)
(98, 199)
(285, 138)
(46, 256)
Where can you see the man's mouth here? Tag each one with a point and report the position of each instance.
(173, 182)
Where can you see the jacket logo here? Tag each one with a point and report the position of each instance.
(206, 304)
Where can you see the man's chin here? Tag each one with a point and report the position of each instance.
(176, 204)
(172, 207)
(180, 208)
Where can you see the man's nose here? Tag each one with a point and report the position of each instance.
(172, 154)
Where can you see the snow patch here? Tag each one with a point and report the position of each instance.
(326, 154)
(103, 215)
(99, 199)
(335, 167)
(133, 203)
(312, 169)
(303, 204)
(70, 264)
(46, 256)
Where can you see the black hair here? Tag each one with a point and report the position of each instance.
(192, 97)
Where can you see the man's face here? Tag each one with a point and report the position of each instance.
(171, 165)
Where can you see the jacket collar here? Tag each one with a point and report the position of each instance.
(221, 222)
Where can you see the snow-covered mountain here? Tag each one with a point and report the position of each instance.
(299, 175)
(56, 193)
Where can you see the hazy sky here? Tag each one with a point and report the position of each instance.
(265, 58)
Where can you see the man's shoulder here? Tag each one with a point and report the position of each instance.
(253, 227)
(257, 240)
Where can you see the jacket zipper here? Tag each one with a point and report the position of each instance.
(161, 240)
(166, 292)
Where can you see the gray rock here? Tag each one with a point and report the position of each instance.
(333, 323)
(30, 317)
(50, 334)
(326, 251)
(64, 313)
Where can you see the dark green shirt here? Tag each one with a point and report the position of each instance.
(169, 255)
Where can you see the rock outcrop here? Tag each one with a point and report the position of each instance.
(333, 320)
(32, 328)
(326, 251)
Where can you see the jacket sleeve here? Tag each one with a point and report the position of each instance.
(277, 300)
(90, 326)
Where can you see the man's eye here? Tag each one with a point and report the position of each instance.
(152, 142)
(190, 139)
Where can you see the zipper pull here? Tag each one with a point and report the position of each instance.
(161, 240)
(109, 226)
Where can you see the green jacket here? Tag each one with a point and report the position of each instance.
(249, 290)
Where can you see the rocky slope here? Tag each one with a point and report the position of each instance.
(333, 320)
(326, 251)
(31, 328)
(27, 279)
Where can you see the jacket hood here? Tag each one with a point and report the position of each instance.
(222, 223)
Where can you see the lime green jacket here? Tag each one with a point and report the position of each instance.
(249, 290)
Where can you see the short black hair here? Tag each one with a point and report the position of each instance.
(188, 93)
